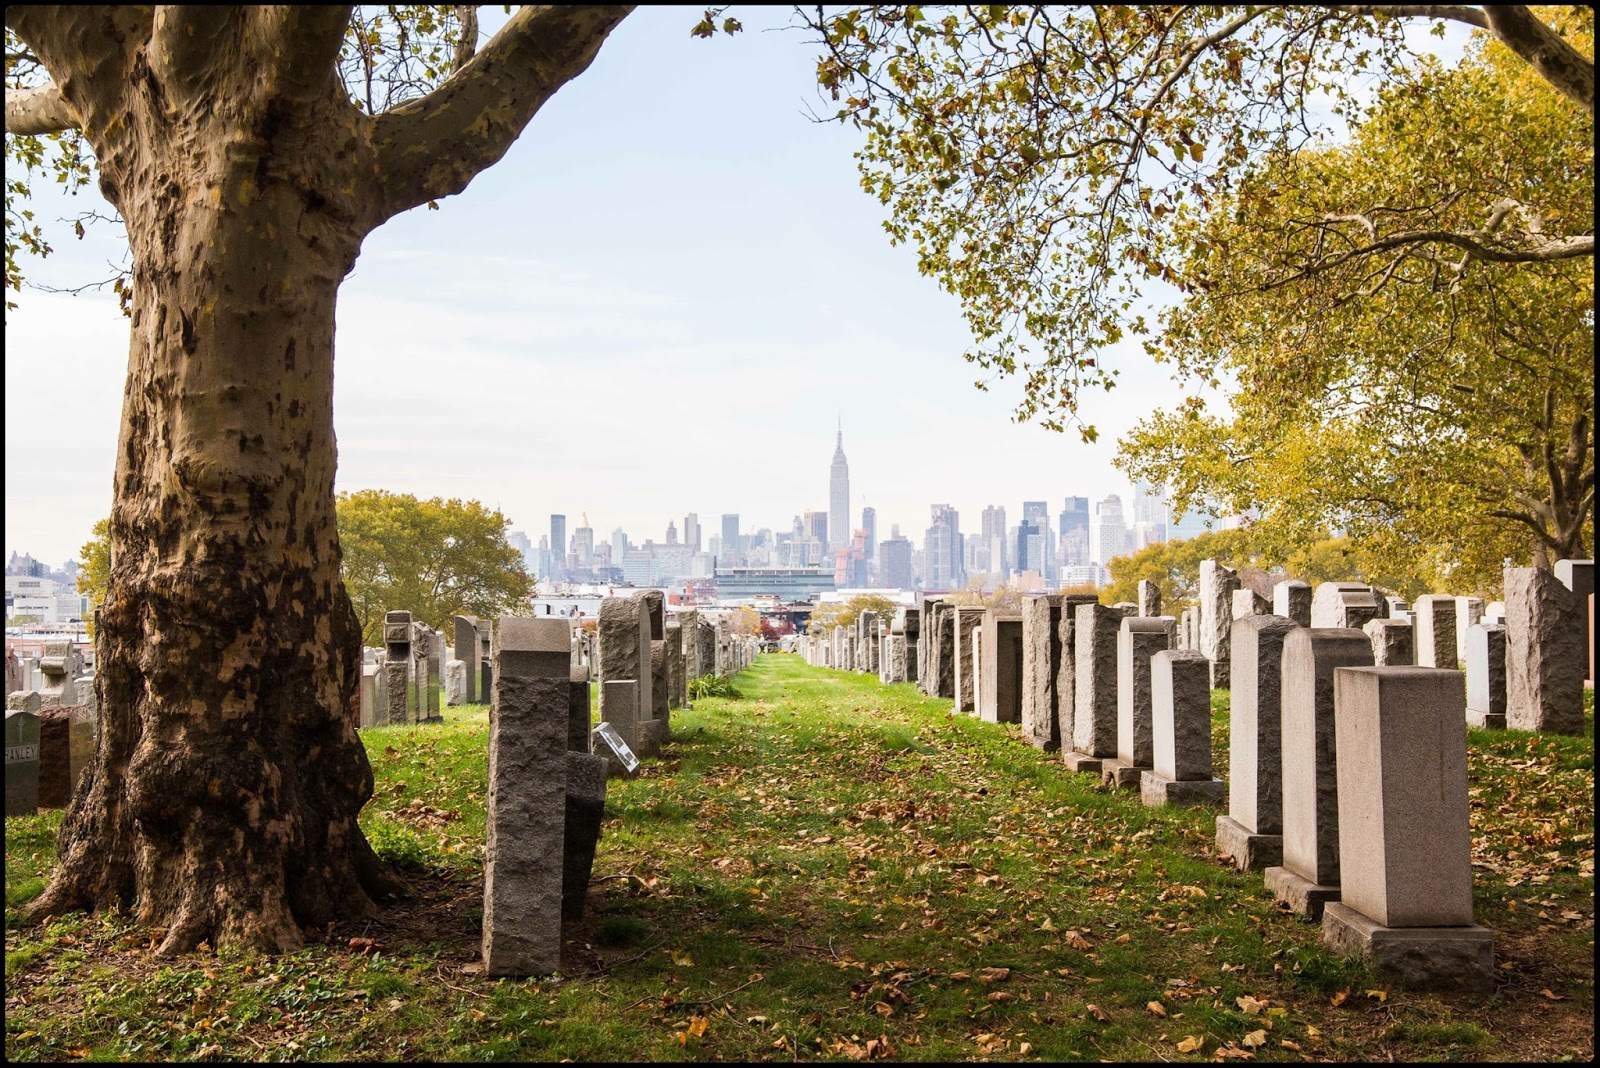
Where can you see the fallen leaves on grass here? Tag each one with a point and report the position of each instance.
(1190, 1044)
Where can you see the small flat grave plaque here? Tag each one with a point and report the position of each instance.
(619, 748)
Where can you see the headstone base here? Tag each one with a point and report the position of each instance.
(1495, 721)
(1120, 776)
(1422, 958)
(1304, 897)
(1044, 745)
(1157, 790)
(1250, 851)
(1076, 761)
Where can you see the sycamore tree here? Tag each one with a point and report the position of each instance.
(222, 801)
(435, 558)
(1427, 406)
(1049, 165)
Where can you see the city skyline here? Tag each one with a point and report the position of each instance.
(542, 343)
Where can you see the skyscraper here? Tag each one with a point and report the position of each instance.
(1150, 512)
(1075, 532)
(558, 545)
(691, 532)
(1110, 531)
(894, 554)
(994, 538)
(672, 533)
(583, 543)
(619, 545)
(730, 540)
(839, 495)
(1036, 516)
(869, 523)
(942, 550)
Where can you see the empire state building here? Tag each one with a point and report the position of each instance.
(839, 528)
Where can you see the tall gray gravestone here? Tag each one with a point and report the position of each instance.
(1149, 598)
(967, 619)
(1486, 675)
(1217, 585)
(66, 746)
(1066, 688)
(1180, 717)
(1041, 662)
(1094, 714)
(22, 754)
(1405, 850)
(1252, 831)
(1392, 642)
(1001, 675)
(1138, 639)
(1292, 600)
(1469, 610)
(1434, 617)
(1309, 876)
(397, 668)
(465, 641)
(624, 653)
(524, 850)
(1545, 663)
(677, 687)
(1578, 576)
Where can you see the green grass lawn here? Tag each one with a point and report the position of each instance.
(829, 868)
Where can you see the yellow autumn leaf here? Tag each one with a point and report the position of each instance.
(1255, 1038)
(681, 958)
(1156, 1008)
(1379, 995)
(1249, 1005)
(1190, 1044)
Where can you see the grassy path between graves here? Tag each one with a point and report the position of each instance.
(828, 868)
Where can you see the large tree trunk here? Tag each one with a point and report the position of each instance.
(228, 778)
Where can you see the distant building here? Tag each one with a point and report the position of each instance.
(943, 549)
(869, 523)
(1073, 547)
(730, 540)
(993, 526)
(558, 545)
(839, 495)
(785, 583)
(894, 561)
(691, 531)
(1110, 530)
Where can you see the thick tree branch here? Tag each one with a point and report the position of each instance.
(1546, 51)
(88, 52)
(42, 110)
(467, 42)
(184, 40)
(1472, 16)
(304, 47)
(434, 146)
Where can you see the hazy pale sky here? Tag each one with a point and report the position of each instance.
(658, 302)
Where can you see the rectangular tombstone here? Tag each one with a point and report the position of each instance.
(1405, 851)
(660, 713)
(1001, 676)
(1292, 600)
(524, 848)
(1066, 688)
(1095, 629)
(677, 687)
(1544, 661)
(485, 659)
(1435, 620)
(1392, 644)
(398, 685)
(1217, 585)
(899, 670)
(1486, 675)
(1578, 576)
(1309, 877)
(585, 809)
(966, 621)
(66, 746)
(1041, 663)
(1469, 610)
(368, 698)
(433, 703)
(465, 638)
(624, 648)
(1250, 603)
(380, 693)
(1180, 700)
(944, 651)
(578, 714)
(977, 670)
(1344, 605)
(1138, 639)
(1255, 755)
(22, 756)
(867, 627)
(1149, 598)
(455, 683)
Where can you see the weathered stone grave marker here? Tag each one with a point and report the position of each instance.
(1180, 717)
(1252, 831)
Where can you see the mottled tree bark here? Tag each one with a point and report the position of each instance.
(228, 777)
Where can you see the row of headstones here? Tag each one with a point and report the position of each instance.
(1526, 657)
(51, 722)
(546, 782)
(1063, 664)
(402, 683)
(874, 645)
